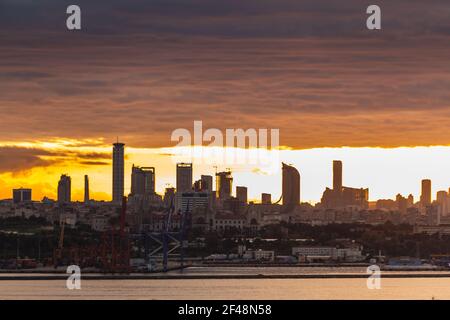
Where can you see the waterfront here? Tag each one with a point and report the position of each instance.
(235, 289)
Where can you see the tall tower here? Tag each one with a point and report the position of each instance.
(207, 183)
(184, 177)
(64, 189)
(425, 197)
(142, 180)
(290, 188)
(442, 200)
(224, 185)
(118, 172)
(86, 189)
(241, 194)
(337, 175)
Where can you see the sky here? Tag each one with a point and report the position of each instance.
(140, 69)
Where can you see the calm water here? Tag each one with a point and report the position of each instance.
(391, 288)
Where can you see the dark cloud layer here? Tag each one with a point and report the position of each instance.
(17, 159)
(140, 69)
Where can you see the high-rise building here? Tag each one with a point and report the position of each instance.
(266, 198)
(241, 194)
(184, 177)
(341, 197)
(64, 189)
(86, 189)
(224, 185)
(142, 180)
(118, 157)
(207, 183)
(425, 197)
(337, 176)
(21, 195)
(442, 201)
(290, 188)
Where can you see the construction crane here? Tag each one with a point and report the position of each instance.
(168, 240)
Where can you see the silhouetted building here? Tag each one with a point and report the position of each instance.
(184, 177)
(337, 175)
(233, 204)
(194, 202)
(118, 158)
(290, 188)
(266, 198)
(224, 185)
(207, 183)
(64, 189)
(241, 194)
(142, 180)
(425, 197)
(86, 189)
(402, 203)
(433, 215)
(341, 196)
(442, 201)
(21, 195)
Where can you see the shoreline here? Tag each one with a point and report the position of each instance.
(217, 277)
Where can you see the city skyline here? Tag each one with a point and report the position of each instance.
(380, 98)
(267, 183)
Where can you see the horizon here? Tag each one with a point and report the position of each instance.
(361, 169)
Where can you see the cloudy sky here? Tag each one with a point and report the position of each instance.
(140, 69)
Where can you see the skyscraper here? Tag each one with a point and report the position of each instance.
(425, 197)
(21, 195)
(207, 183)
(142, 180)
(337, 176)
(442, 200)
(290, 188)
(241, 194)
(224, 185)
(86, 189)
(64, 189)
(184, 177)
(266, 198)
(118, 171)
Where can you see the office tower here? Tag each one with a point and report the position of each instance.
(425, 197)
(290, 188)
(194, 202)
(266, 198)
(337, 176)
(86, 189)
(224, 185)
(142, 180)
(442, 201)
(207, 183)
(241, 194)
(64, 189)
(184, 177)
(118, 171)
(21, 195)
